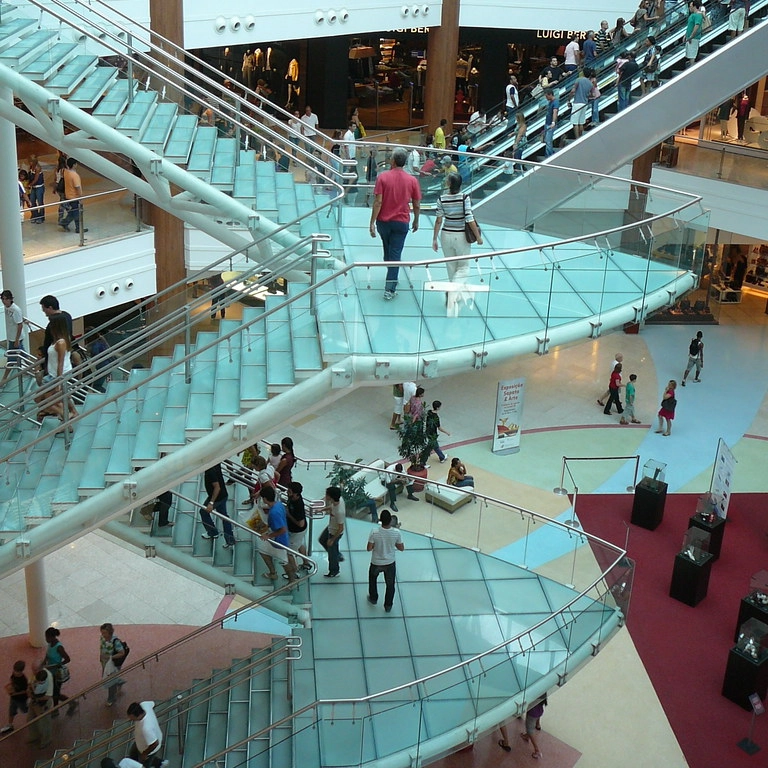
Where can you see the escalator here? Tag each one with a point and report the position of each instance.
(716, 77)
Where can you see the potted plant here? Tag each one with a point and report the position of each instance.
(352, 488)
(415, 446)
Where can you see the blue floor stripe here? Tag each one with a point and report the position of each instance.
(544, 544)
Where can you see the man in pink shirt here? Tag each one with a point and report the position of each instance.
(394, 193)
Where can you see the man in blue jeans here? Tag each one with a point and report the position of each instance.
(216, 501)
(628, 70)
(395, 191)
(382, 543)
(550, 122)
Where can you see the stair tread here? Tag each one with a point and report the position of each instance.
(48, 61)
(75, 70)
(181, 139)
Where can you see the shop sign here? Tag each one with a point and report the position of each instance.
(559, 34)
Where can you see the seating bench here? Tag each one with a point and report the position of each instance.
(446, 496)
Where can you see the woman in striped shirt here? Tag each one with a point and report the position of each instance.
(454, 209)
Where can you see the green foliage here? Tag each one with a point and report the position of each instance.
(352, 489)
(414, 443)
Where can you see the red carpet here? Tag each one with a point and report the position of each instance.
(684, 649)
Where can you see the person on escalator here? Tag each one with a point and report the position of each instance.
(628, 70)
(693, 31)
(649, 79)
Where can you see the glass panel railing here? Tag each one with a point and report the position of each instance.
(548, 285)
(100, 217)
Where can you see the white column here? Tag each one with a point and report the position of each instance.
(37, 602)
(11, 248)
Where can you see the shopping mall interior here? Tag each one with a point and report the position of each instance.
(225, 292)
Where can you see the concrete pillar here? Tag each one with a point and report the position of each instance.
(442, 49)
(167, 19)
(11, 246)
(37, 602)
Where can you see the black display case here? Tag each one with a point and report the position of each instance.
(751, 607)
(690, 575)
(715, 528)
(747, 669)
(648, 506)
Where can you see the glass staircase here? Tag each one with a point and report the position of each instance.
(203, 395)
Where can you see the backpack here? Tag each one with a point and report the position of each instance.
(693, 349)
(126, 649)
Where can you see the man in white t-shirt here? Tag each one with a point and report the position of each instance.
(572, 54)
(147, 736)
(349, 149)
(512, 103)
(382, 544)
(14, 326)
(309, 128)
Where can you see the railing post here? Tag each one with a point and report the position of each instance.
(288, 672)
(187, 345)
(181, 722)
(313, 278)
(129, 70)
(65, 403)
(80, 217)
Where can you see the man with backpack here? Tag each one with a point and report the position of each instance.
(695, 357)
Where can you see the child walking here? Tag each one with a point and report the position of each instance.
(629, 399)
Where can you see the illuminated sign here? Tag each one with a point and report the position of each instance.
(559, 34)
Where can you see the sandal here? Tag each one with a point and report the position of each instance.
(634, 421)
(272, 576)
(504, 745)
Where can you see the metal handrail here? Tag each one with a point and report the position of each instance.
(505, 644)
(633, 185)
(172, 75)
(162, 330)
(237, 524)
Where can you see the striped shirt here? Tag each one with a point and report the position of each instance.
(455, 210)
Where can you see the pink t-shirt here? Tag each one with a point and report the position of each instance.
(397, 188)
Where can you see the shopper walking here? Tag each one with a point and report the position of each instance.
(695, 357)
(614, 390)
(382, 544)
(619, 358)
(629, 400)
(667, 410)
(112, 653)
(394, 193)
(55, 661)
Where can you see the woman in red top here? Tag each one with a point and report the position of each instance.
(614, 387)
(287, 460)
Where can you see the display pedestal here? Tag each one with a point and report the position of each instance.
(648, 507)
(690, 580)
(716, 531)
(749, 610)
(743, 676)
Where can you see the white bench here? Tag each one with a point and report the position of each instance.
(449, 497)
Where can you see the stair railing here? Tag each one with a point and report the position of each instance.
(597, 589)
(611, 564)
(168, 63)
(283, 651)
(177, 321)
(163, 329)
(253, 536)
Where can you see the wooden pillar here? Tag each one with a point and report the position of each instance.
(442, 49)
(167, 19)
